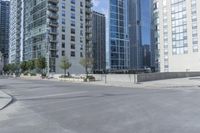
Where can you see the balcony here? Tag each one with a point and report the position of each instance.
(52, 40)
(52, 15)
(52, 8)
(52, 32)
(88, 24)
(88, 10)
(53, 1)
(88, 17)
(88, 31)
(53, 24)
(89, 38)
(88, 4)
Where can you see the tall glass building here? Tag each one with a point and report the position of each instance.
(52, 29)
(175, 35)
(40, 31)
(119, 39)
(99, 41)
(16, 31)
(125, 35)
(135, 34)
(4, 29)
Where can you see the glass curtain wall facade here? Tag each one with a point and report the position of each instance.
(51, 29)
(40, 30)
(99, 41)
(134, 26)
(125, 35)
(4, 29)
(16, 30)
(119, 39)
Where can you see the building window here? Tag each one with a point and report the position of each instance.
(63, 21)
(73, 16)
(73, 8)
(63, 13)
(63, 5)
(63, 45)
(72, 31)
(179, 27)
(63, 37)
(72, 53)
(73, 38)
(63, 28)
(81, 54)
(63, 53)
(73, 1)
(73, 23)
(72, 46)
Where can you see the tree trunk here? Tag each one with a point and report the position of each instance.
(86, 70)
(65, 72)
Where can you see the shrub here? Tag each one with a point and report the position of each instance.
(33, 74)
(89, 78)
(25, 73)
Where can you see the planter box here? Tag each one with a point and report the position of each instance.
(72, 79)
(30, 77)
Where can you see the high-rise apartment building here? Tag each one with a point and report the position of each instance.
(125, 35)
(16, 31)
(176, 31)
(74, 32)
(4, 29)
(99, 41)
(52, 29)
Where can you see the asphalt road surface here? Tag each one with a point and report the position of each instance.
(58, 107)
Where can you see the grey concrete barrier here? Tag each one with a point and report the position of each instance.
(130, 78)
(161, 76)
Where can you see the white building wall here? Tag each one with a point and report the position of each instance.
(76, 67)
(182, 62)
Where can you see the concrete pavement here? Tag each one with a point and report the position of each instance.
(62, 107)
(5, 100)
(169, 83)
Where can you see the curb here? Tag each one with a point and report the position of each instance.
(8, 99)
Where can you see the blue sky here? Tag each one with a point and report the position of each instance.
(103, 7)
(146, 20)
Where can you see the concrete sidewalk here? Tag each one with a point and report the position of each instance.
(5, 100)
(168, 83)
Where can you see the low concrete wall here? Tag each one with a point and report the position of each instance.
(130, 78)
(30, 77)
(71, 79)
(161, 76)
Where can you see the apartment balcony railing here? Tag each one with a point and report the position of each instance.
(88, 18)
(53, 1)
(52, 8)
(53, 24)
(88, 10)
(52, 15)
(88, 4)
(53, 32)
(52, 40)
